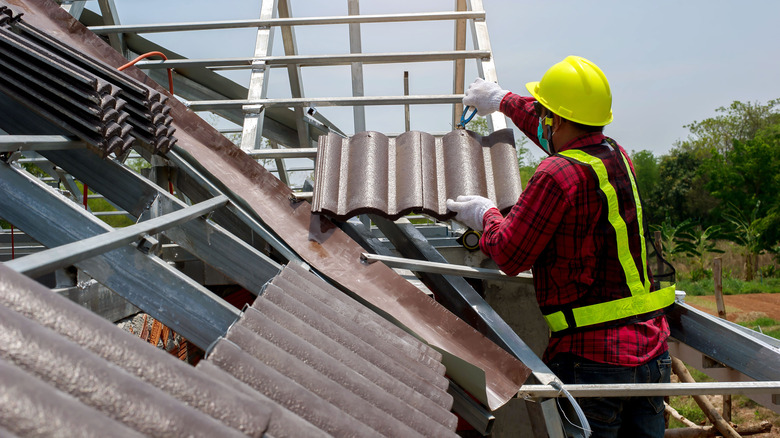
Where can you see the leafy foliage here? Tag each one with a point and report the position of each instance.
(679, 193)
(747, 234)
(672, 237)
(725, 176)
(697, 242)
(737, 122)
(647, 171)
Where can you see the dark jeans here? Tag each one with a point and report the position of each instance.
(618, 416)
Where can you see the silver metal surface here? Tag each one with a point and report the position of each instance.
(284, 153)
(206, 182)
(486, 67)
(153, 285)
(653, 389)
(356, 68)
(251, 136)
(47, 261)
(325, 101)
(11, 143)
(755, 355)
(445, 268)
(232, 24)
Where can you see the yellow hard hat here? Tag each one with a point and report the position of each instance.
(577, 90)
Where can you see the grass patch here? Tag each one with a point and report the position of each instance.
(688, 408)
(731, 286)
(765, 325)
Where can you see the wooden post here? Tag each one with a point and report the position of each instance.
(715, 418)
(659, 267)
(717, 279)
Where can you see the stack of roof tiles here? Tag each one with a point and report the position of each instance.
(65, 371)
(414, 172)
(98, 104)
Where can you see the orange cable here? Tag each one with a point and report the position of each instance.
(146, 55)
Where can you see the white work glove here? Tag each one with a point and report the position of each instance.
(485, 96)
(470, 210)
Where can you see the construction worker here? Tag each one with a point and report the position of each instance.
(579, 225)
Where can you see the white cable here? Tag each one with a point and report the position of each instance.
(580, 415)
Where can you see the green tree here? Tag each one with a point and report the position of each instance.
(680, 192)
(646, 169)
(727, 158)
(747, 234)
(748, 174)
(673, 236)
(739, 121)
(697, 243)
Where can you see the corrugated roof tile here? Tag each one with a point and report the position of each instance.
(271, 374)
(414, 172)
(303, 341)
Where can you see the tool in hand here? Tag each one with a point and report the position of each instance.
(464, 119)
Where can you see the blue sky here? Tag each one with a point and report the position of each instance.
(669, 63)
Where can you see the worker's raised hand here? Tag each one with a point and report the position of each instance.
(470, 210)
(485, 96)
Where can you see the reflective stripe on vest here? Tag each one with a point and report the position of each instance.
(641, 300)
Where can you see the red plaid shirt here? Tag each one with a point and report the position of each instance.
(554, 229)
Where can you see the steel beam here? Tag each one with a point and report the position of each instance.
(653, 389)
(753, 354)
(62, 256)
(324, 101)
(111, 18)
(475, 414)
(252, 135)
(459, 65)
(284, 153)
(454, 293)
(12, 143)
(296, 84)
(317, 60)
(356, 68)
(446, 268)
(145, 280)
(203, 239)
(236, 206)
(486, 68)
(74, 8)
(268, 22)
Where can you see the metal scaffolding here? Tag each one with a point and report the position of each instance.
(183, 217)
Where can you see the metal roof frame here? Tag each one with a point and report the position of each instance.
(285, 122)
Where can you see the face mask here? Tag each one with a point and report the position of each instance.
(540, 134)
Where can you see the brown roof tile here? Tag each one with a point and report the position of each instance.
(414, 172)
(304, 340)
(333, 367)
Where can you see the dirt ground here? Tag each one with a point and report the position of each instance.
(741, 308)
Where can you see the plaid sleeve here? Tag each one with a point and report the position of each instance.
(521, 111)
(516, 241)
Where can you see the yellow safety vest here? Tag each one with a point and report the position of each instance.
(641, 300)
